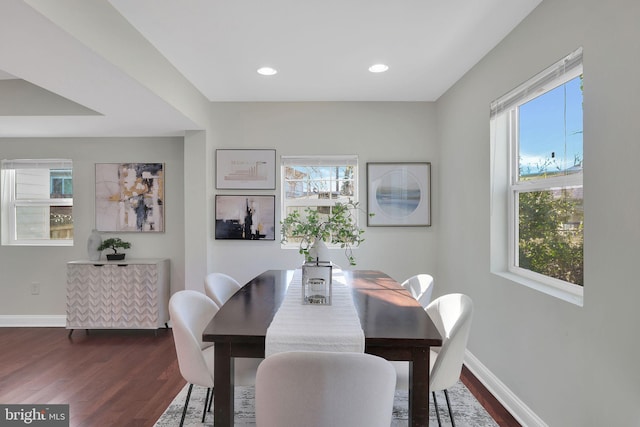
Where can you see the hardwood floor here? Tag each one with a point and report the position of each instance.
(109, 378)
(114, 378)
(487, 400)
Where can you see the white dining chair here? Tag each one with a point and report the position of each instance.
(452, 316)
(190, 312)
(324, 389)
(421, 287)
(220, 287)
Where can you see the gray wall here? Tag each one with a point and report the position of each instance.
(22, 265)
(573, 366)
(375, 131)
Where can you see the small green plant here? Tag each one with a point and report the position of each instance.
(114, 243)
(338, 227)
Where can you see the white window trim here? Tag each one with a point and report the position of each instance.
(316, 160)
(10, 203)
(504, 170)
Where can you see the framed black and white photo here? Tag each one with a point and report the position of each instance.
(245, 169)
(399, 194)
(245, 217)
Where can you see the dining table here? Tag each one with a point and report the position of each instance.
(396, 327)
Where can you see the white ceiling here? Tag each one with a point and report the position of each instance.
(6, 76)
(322, 50)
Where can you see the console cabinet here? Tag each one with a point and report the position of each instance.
(129, 294)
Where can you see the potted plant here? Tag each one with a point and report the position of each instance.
(114, 243)
(313, 229)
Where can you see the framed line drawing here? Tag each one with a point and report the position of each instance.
(245, 217)
(130, 197)
(399, 194)
(245, 169)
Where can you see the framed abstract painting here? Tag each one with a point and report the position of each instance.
(245, 217)
(399, 194)
(130, 197)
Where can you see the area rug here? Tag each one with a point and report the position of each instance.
(467, 411)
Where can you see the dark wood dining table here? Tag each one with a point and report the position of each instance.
(395, 327)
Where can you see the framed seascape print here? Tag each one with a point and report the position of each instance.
(246, 217)
(399, 194)
(130, 197)
(246, 169)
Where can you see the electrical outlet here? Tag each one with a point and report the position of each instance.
(35, 288)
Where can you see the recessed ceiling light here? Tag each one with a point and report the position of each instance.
(267, 71)
(378, 68)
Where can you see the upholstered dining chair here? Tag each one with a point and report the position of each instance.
(220, 287)
(324, 389)
(421, 287)
(190, 312)
(452, 315)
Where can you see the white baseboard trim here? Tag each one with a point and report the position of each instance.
(500, 391)
(32, 321)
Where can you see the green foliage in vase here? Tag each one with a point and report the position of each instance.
(113, 244)
(338, 227)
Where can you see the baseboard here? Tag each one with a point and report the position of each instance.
(500, 391)
(32, 321)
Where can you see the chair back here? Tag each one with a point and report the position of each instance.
(220, 287)
(421, 288)
(190, 313)
(452, 315)
(324, 389)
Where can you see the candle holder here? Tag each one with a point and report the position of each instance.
(316, 283)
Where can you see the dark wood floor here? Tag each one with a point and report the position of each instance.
(122, 378)
(114, 378)
(486, 399)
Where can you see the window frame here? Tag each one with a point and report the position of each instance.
(506, 186)
(320, 161)
(9, 202)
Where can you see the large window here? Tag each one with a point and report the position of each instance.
(37, 202)
(317, 182)
(540, 126)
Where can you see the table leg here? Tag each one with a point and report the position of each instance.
(223, 386)
(419, 388)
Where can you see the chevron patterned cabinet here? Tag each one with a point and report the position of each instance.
(131, 294)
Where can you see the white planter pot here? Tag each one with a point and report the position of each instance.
(319, 251)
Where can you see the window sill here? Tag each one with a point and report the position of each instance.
(53, 243)
(576, 298)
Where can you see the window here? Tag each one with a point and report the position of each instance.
(37, 202)
(317, 182)
(537, 166)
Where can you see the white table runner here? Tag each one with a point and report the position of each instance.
(301, 327)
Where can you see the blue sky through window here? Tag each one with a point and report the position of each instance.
(547, 144)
